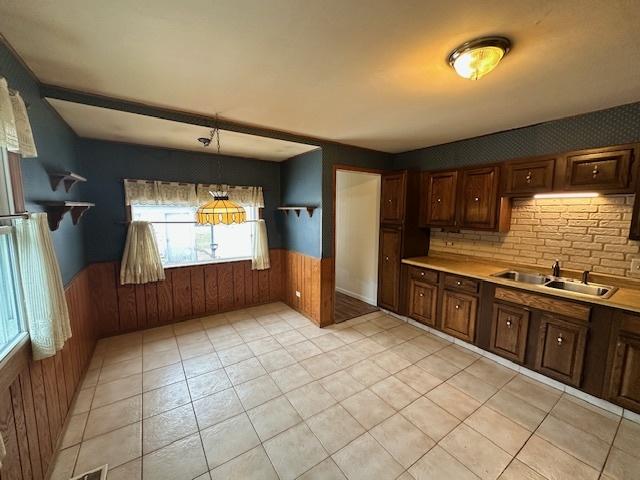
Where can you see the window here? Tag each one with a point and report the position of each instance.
(183, 242)
(11, 324)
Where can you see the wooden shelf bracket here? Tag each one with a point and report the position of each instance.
(69, 179)
(297, 209)
(57, 210)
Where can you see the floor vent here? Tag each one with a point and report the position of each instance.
(99, 473)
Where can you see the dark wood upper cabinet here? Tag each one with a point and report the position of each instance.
(392, 197)
(439, 195)
(389, 267)
(528, 177)
(479, 198)
(606, 170)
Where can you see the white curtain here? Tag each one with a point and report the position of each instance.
(143, 192)
(260, 256)
(45, 303)
(141, 261)
(15, 129)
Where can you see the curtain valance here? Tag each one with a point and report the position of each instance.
(15, 129)
(144, 192)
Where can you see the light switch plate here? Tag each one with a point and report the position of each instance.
(635, 266)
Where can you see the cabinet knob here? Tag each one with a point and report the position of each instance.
(559, 339)
(422, 274)
(389, 201)
(476, 199)
(595, 171)
(386, 259)
(509, 323)
(529, 176)
(422, 294)
(458, 283)
(439, 200)
(457, 307)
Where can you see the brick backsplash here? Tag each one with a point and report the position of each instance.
(584, 233)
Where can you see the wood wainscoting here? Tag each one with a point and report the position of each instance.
(35, 396)
(187, 292)
(312, 278)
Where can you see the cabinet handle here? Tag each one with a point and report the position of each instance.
(386, 259)
(422, 294)
(595, 171)
(389, 201)
(422, 274)
(509, 323)
(458, 283)
(559, 339)
(439, 200)
(476, 199)
(529, 176)
(457, 307)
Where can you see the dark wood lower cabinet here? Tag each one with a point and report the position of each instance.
(389, 266)
(624, 380)
(423, 299)
(561, 347)
(509, 327)
(459, 315)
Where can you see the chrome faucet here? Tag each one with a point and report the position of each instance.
(555, 268)
(585, 277)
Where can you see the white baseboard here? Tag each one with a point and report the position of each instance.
(370, 301)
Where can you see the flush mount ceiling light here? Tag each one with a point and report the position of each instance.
(476, 58)
(219, 209)
(567, 195)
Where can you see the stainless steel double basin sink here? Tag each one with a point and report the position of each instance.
(558, 283)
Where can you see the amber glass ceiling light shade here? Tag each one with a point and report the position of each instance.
(220, 210)
(474, 59)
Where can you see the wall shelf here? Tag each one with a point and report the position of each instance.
(69, 179)
(57, 210)
(298, 209)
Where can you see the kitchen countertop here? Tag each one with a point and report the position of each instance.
(626, 298)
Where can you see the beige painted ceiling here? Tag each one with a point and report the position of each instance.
(365, 72)
(104, 124)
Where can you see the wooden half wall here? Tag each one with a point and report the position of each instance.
(35, 396)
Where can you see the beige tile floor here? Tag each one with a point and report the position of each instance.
(264, 394)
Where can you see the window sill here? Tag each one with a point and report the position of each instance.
(14, 361)
(207, 262)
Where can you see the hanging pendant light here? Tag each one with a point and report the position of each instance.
(219, 210)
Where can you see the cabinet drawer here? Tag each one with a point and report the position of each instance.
(459, 313)
(561, 346)
(576, 311)
(509, 328)
(422, 302)
(461, 283)
(423, 275)
(529, 176)
(608, 170)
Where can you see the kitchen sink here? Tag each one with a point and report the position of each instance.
(558, 283)
(521, 277)
(591, 289)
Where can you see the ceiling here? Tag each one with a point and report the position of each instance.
(369, 73)
(104, 124)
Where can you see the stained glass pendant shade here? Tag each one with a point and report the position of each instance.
(220, 209)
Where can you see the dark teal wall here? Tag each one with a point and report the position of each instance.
(605, 127)
(301, 182)
(110, 162)
(56, 152)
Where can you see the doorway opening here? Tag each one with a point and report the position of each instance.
(357, 227)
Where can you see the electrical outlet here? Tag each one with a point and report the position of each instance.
(635, 266)
(448, 243)
(298, 294)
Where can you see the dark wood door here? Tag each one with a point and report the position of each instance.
(389, 276)
(509, 328)
(625, 376)
(529, 177)
(561, 346)
(422, 302)
(392, 197)
(459, 313)
(607, 170)
(438, 199)
(479, 198)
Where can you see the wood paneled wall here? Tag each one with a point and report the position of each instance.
(187, 292)
(34, 406)
(313, 278)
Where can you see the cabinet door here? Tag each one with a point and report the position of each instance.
(459, 312)
(422, 302)
(479, 198)
(608, 170)
(561, 346)
(529, 177)
(389, 267)
(509, 328)
(624, 387)
(392, 197)
(438, 207)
